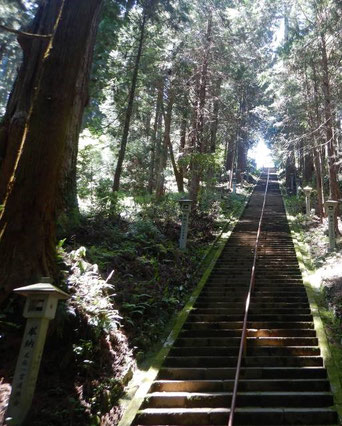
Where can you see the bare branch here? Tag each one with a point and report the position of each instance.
(23, 33)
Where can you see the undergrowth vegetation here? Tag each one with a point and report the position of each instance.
(126, 278)
(324, 268)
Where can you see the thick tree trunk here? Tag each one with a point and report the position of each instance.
(34, 138)
(290, 172)
(318, 161)
(197, 142)
(18, 107)
(314, 152)
(330, 139)
(166, 143)
(177, 172)
(242, 156)
(215, 117)
(229, 163)
(182, 144)
(68, 171)
(230, 160)
(242, 140)
(151, 181)
(319, 184)
(124, 139)
(308, 167)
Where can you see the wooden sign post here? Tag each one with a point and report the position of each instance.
(40, 308)
(330, 206)
(185, 205)
(234, 184)
(307, 191)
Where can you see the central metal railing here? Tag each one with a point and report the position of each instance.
(243, 342)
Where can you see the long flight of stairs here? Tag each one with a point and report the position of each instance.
(283, 380)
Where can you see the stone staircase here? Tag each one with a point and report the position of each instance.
(283, 380)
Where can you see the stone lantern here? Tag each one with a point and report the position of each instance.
(40, 307)
(185, 206)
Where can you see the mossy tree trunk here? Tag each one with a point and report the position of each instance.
(34, 138)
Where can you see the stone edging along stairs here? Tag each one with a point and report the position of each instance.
(282, 380)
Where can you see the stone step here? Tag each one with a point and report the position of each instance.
(255, 351)
(252, 317)
(262, 276)
(253, 326)
(244, 385)
(279, 296)
(261, 373)
(273, 285)
(253, 310)
(249, 361)
(264, 270)
(227, 332)
(257, 295)
(244, 399)
(243, 416)
(202, 303)
(251, 341)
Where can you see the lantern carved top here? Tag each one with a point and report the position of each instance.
(185, 204)
(46, 289)
(331, 204)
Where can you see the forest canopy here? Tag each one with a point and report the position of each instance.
(111, 111)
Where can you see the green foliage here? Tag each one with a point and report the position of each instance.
(14, 14)
(89, 162)
(144, 230)
(91, 294)
(295, 205)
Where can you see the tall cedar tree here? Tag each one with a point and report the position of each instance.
(34, 135)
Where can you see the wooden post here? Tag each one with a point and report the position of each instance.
(307, 191)
(40, 308)
(242, 177)
(234, 184)
(185, 205)
(330, 206)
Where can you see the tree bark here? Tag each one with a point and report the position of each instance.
(230, 159)
(20, 100)
(330, 139)
(242, 155)
(242, 140)
(215, 115)
(290, 172)
(151, 181)
(34, 137)
(166, 143)
(314, 120)
(68, 171)
(128, 116)
(182, 144)
(308, 167)
(177, 171)
(197, 143)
